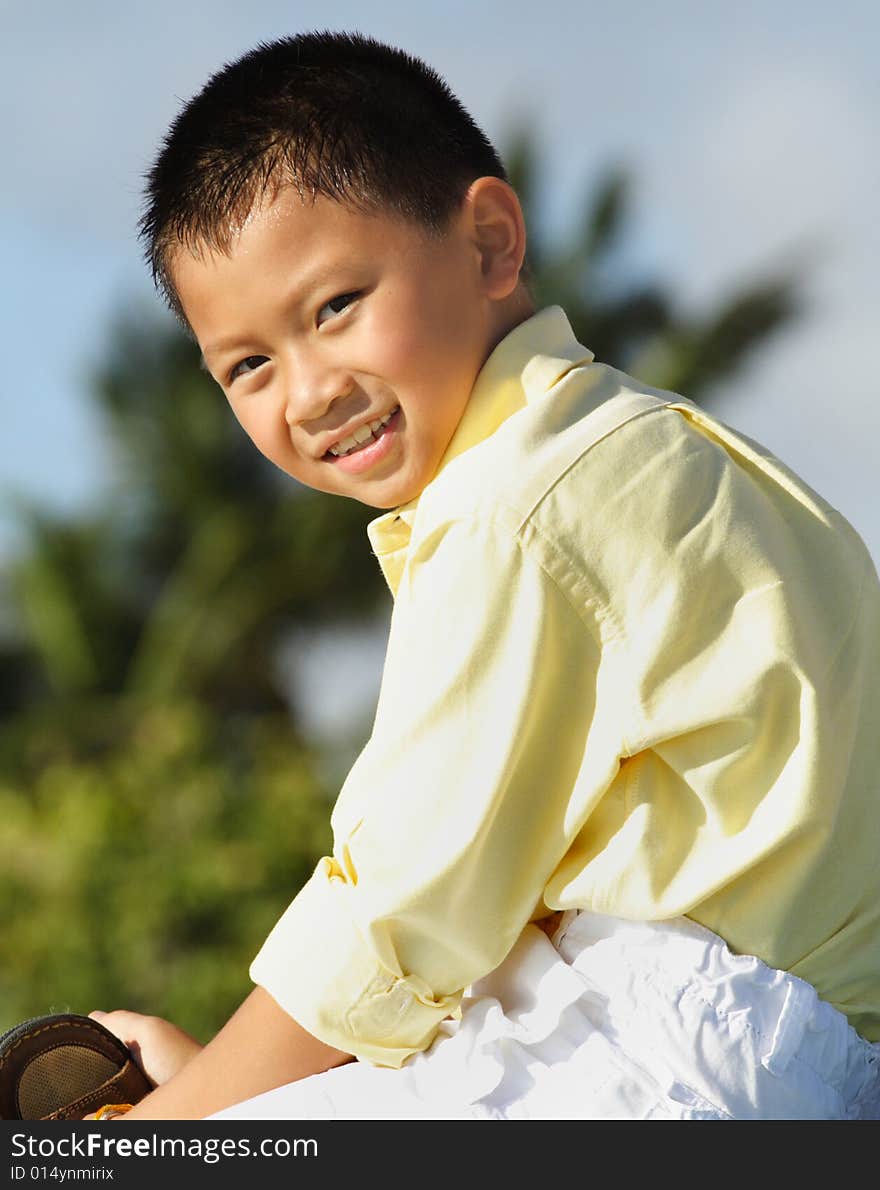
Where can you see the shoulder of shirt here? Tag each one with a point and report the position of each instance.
(511, 477)
(599, 438)
(622, 494)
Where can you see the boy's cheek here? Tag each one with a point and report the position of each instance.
(389, 343)
(271, 440)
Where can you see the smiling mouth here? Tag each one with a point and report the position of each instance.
(362, 437)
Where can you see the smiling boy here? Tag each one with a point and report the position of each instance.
(632, 672)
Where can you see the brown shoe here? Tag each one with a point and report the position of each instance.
(63, 1067)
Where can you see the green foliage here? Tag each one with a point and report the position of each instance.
(158, 808)
(146, 851)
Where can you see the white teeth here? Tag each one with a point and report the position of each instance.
(361, 435)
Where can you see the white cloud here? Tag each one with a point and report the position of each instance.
(781, 158)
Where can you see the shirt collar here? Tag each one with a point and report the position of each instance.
(527, 362)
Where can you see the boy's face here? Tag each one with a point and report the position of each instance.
(322, 322)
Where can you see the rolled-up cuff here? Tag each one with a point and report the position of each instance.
(319, 968)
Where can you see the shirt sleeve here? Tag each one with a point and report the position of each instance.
(456, 813)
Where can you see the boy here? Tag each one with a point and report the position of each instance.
(633, 661)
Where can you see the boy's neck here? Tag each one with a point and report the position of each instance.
(515, 309)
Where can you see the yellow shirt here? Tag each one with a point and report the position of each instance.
(633, 667)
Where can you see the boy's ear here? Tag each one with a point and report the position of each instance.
(498, 229)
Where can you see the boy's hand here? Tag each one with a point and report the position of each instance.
(159, 1048)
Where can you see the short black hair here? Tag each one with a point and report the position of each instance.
(335, 114)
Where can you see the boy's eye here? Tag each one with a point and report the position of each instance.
(337, 304)
(249, 364)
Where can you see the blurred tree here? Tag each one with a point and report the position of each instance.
(158, 803)
(145, 851)
(203, 552)
(637, 327)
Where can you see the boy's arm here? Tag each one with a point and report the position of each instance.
(260, 1047)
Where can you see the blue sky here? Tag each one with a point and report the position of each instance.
(751, 130)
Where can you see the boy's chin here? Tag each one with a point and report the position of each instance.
(383, 498)
(382, 505)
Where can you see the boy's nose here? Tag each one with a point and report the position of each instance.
(310, 392)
